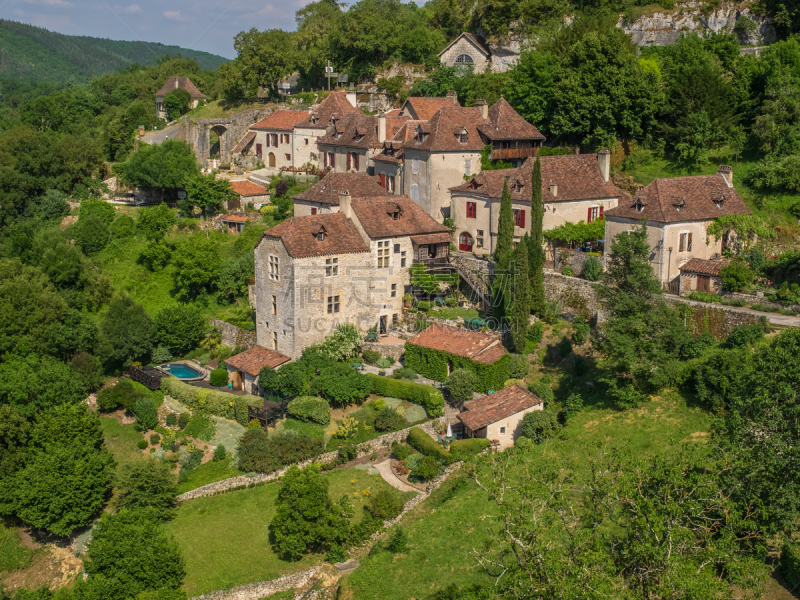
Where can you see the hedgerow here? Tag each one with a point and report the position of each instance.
(424, 395)
(210, 401)
(433, 364)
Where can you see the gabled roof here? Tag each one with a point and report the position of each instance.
(326, 190)
(677, 199)
(281, 120)
(234, 219)
(475, 40)
(422, 108)
(299, 235)
(184, 83)
(245, 142)
(335, 104)
(492, 408)
(376, 216)
(577, 177)
(432, 238)
(441, 130)
(479, 346)
(703, 266)
(506, 124)
(256, 358)
(248, 188)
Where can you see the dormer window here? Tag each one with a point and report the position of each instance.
(473, 185)
(321, 234)
(462, 135)
(518, 187)
(396, 211)
(680, 204)
(639, 205)
(720, 202)
(313, 119)
(358, 137)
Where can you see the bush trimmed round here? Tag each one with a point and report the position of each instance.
(142, 444)
(310, 408)
(218, 377)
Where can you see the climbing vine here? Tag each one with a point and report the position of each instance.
(433, 365)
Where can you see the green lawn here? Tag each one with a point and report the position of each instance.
(225, 538)
(121, 440)
(208, 473)
(452, 314)
(13, 555)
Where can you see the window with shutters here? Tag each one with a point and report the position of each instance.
(594, 212)
(349, 161)
(390, 183)
(479, 238)
(519, 217)
(274, 274)
(332, 159)
(685, 242)
(383, 180)
(274, 139)
(313, 211)
(383, 254)
(415, 165)
(268, 140)
(397, 248)
(289, 157)
(331, 267)
(325, 160)
(333, 305)
(415, 193)
(355, 160)
(472, 210)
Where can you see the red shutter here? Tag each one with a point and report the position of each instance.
(355, 159)
(601, 212)
(348, 161)
(333, 160)
(275, 139)
(689, 244)
(325, 159)
(267, 140)
(522, 218)
(589, 218)
(383, 181)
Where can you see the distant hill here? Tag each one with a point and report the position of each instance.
(28, 52)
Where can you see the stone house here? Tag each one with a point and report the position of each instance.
(467, 50)
(326, 114)
(420, 108)
(448, 147)
(323, 196)
(574, 188)
(483, 347)
(388, 163)
(247, 192)
(315, 272)
(700, 275)
(678, 211)
(233, 223)
(497, 416)
(172, 84)
(243, 369)
(272, 138)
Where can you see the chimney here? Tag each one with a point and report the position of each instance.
(484, 108)
(381, 127)
(727, 174)
(344, 204)
(604, 162)
(453, 96)
(554, 189)
(176, 83)
(351, 98)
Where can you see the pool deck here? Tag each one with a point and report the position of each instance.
(190, 364)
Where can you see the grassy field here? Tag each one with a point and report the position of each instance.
(121, 440)
(208, 473)
(225, 539)
(218, 109)
(13, 555)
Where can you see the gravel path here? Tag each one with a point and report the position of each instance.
(385, 469)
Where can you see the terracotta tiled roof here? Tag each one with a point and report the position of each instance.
(423, 108)
(299, 235)
(479, 346)
(431, 238)
(506, 124)
(677, 199)
(183, 83)
(703, 266)
(441, 130)
(234, 219)
(256, 358)
(281, 120)
(492, 408)
(360, 131)
(245, 142)
(376, 216)
(248, 188)
(326, 190)
(577, 177)
(475, 39)
(335, 104)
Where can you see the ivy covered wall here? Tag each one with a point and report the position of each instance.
(433, 365)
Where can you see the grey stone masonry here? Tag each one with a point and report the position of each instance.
(233, 336)
(262, 589)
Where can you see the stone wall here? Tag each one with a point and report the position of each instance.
(719, 320)
(230, 130)
(573, 258)
(364, 449)
(262, 589)
(575, 295)
(393, 350)
(233, 336)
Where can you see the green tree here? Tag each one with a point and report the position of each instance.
(155, 221)
(235, 275)
(263, 57)
(461, 383)
(37, 383)
(176, 103)
(14, 433)
(736, 275)
(146, 484)
(306, 519)
(345, 342)
(127, 332)
(207, 193)
(340, 384)
(96, 207)
(53, 205)
(197, 263)
(538, 425)
(269, 379)
(91, 234)
(501, 298)
(179, 327)
(520, 313)
(165, 167)
(535, 244)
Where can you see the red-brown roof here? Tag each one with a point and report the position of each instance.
(478, 346)
(248, 188)
(245, 142)
(360, 131)
(326, 190)
(234, 219)
(376, 215)
(336, 104)
(492, 408)
(300, 235)
(703, 266)
(183, 83)
(677, 199)
(441, 131)
(281, 120)
(423, 108)
(431, 238)
(256, 358)
(506, 124)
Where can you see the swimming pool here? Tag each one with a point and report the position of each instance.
(181, 371)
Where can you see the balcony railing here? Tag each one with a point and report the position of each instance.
(507, 153)
(436, 261)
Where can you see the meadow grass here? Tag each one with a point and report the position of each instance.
(121, 440)
(13, 555)
(209, 472)
(225, 539)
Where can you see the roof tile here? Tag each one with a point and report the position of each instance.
(492, 408)
(376, 217)
(299, 235)
(256, 358)
(326, 190)
(479, 346)
(703, 266)
(184, 83)
(281, 120)
(248, 188)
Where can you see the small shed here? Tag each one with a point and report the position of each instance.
(233, 223)
(243, 369)
(701, 275)
(247, 192)
(497, 416)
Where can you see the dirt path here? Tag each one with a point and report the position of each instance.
(385, 469)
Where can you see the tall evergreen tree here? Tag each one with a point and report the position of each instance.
(505, 226)
(501, 289)
(521, 308)
(536, 243)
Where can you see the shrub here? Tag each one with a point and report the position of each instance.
(422, 442)
(125, 393)
(567, 271)
(424, 395)
(519, 366)
(146, 414)
(538, 425)
(534, 336)
(201, 428)
(461, 384)
(790, 564)
(370, 356)
(400, 451)
(426, 470)
(736, 275)
(161, 354)
(573, 405)
(745, 335)
(142, 444)
(341, 385)
(347, 428)
(155, 439)
(269, 379)
(335, 554)
(219, 453)
(385, 363)
(592, 269)
(347, 452)
(385, 505)
(696, 346)
(564, 347)
(582, 330)
(203, 400)
(218, 377)
(311, 409)
(541, 389)
(389, 419)
(552, 312)
(467, 448)
(703, 297)
(146, 484)
(423, 306)
(183, 420)
(405, 373)
(398, 540)
(172, 419)
(261, 453)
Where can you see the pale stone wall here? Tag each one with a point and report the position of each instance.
(463, 46)
(304, 145)
(364, 158)
(396, 351)
(268, 323)
(302, 208)
(510, 427)
(438, 172)
(280, 151)
(233, 336)
(655, 237)
(390, 169)
(262, 589)
(689, 284)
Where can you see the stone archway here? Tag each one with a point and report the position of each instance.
(221, 146)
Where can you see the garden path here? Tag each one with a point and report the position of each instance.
(385, 469)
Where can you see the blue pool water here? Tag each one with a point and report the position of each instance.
(181, 371)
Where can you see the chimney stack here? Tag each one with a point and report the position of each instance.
(727, 174)
(604, 162)
(484, 108)
(344, 204)
(381, 127)
(554, 189)
(453, 96)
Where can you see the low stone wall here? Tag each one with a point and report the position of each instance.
(364, 449)
(574, 258)
(717, 319)
(750, 299)
(574, 294)
(262, 589)
(393, 350)
(233, 336)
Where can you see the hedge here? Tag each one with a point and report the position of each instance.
(424, 395)
(790, 564)
(202, 400)
(433, 365)
(422, 442)
(310, 408)
(466, 449)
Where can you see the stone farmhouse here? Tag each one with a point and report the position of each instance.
(472, 50)
(243, 369)
(270, 140)
(246, 193)
(315, 272)
(323, 196)
(574, 188)
(419, 108)
(678, 211)
(172, 84)
(701, 275)
(498, 416)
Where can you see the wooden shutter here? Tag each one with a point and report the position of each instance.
(383, 181)
(681, 239)
(355, 160)
(601, 212)
(333, 160)
(325, 159)
(267, 140)
(689, 242)
(589, 216)
(522, 218)
(349, 161)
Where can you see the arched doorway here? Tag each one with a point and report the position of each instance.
(465, 242)
(216, 141)
(271, 159)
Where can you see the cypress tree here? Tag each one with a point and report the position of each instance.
(501, 290)
(505, 225)
(536, 243)
(521, 310)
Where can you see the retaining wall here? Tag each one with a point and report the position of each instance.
(262, 589)
(393, 350)
(233, 336)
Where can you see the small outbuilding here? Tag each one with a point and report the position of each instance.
(701, 275)
(243, 369)
(497, 416)
(247, 192)
(233, 223)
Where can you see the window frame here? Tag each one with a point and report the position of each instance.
(472, 210)
(274, 268)
(334, 304)
(332, 266)
(384, 254)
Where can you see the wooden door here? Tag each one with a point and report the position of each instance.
(236, 380)
(703, 283)
(465, 242)
(271, 159)
(382, 327)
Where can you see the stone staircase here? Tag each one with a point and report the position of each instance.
(476, 273)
